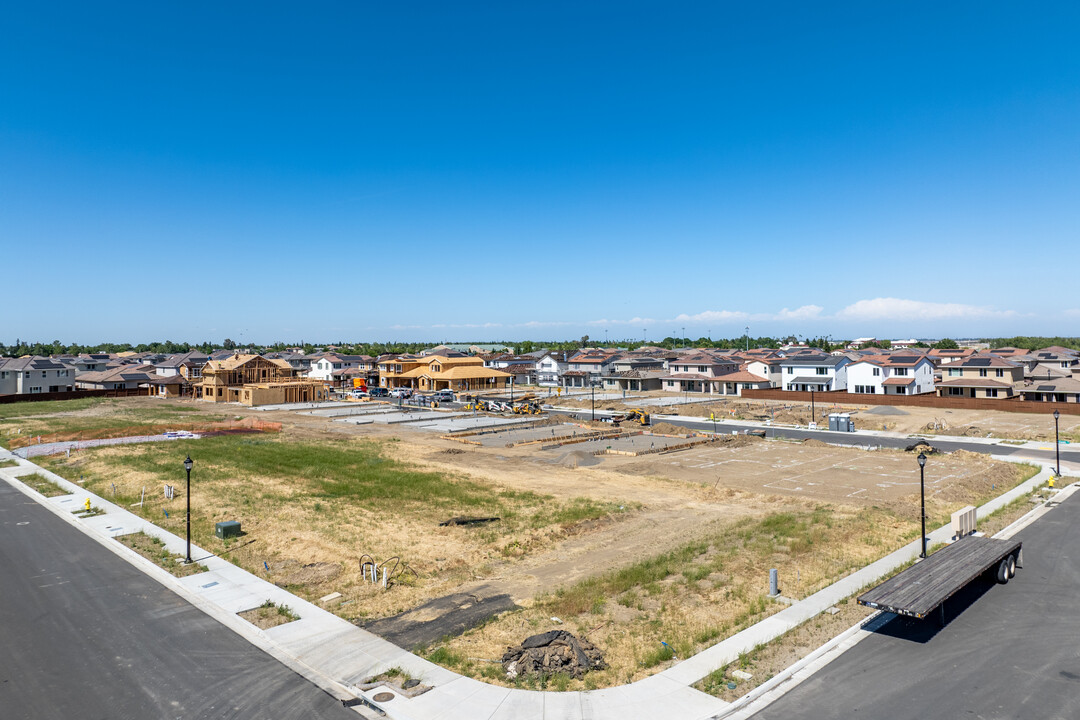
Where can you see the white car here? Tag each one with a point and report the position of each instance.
(401, 392)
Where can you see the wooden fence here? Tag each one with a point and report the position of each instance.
(71, 395)
(931, 401)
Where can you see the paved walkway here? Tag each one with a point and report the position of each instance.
(340, 657)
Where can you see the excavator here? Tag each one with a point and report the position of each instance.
(635, 415)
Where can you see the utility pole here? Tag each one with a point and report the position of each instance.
(747, 338)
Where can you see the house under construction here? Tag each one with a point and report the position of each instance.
(254, 380)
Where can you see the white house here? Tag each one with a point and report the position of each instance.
(332, 366)
(550, 368)
(768, 368)
(821, 373)
(891, 375)
(698, 372)
(31, 375)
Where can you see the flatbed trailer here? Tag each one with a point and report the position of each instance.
(926, 585)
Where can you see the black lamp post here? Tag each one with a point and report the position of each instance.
(922, 496)
(187, 466)
(1057, 445)
(812, 418)
(592, 389)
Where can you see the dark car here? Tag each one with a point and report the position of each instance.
(379, 392)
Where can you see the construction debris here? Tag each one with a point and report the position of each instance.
(556, 651)
(921, 446)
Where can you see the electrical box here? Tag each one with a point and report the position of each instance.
(227, 529)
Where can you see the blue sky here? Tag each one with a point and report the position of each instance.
(509, 170)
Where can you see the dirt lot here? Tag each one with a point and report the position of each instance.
(623, 550)
(972, 423)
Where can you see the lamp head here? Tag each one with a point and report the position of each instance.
(188, 463)
(1056, 414)
(922, 459)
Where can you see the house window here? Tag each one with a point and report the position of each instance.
(790, 370)
(900, 371)
(955, 372)
(991, 392)
(955, 391)
(44, 373)
(701, 368)
(877, 372)
(35, 389)
(901, 390)
(982, 373)
(822, 371)
(999, 372)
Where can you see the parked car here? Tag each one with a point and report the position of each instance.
(358, 393)
(379, 392)
(401, 392)
(444, 396)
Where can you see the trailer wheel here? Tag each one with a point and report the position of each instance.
(1003, 571)
(1012, 566)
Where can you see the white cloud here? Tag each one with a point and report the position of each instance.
(806, 312)
(712, 317)
(898, 309)
(1074, 312)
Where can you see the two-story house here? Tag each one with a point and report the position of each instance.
(698, 372)
(32, 375)
(891, 375)
(586, 367)
(550, 368)
(453, 371)
(332, 368)
(805, 372)
(634, 374)
(983, 376)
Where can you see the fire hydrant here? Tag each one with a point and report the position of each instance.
(87, 504)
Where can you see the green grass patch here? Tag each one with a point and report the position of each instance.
(154, 550)
(28, 409)
(8, 463)
(269, 615)
(44, 485)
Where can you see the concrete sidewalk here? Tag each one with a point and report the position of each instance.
(340, 657)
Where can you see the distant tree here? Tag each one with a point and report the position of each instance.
(584, 340)
(946, 344)
(228, 344)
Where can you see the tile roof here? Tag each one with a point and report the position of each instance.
(973, 382)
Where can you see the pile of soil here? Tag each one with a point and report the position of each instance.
(923, 447)
(453, 451)
(556, 651)
(737, 441)
(668, 429)
(577, 458)
(811, 442)
(886, 410)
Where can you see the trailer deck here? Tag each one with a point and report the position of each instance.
(926, 585)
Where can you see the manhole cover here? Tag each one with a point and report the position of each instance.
(383, 697)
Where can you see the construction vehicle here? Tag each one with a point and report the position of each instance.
(635, 415)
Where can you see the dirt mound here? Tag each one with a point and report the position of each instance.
(885, 410)
(737, 441)
(556, 651)
(309, 574)
(668, 429)
(453, 451)
(923, 447)
(811, 442)
(577, 458)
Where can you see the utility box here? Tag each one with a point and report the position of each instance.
(841, 422)
(227, 529)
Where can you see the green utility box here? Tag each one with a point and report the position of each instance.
(227, 529)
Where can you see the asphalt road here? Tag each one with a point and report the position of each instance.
(84, 634)
(1006, 651)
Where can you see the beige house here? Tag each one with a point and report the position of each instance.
(981, 376)
(439, 372)
(254, 380)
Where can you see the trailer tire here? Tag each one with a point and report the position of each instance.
(1012, 566)
(1003, 571)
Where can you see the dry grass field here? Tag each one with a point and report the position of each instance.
(627, 551)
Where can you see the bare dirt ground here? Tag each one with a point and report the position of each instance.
(664, 501)
(971, 423)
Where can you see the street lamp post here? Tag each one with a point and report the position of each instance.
(592, 390)
(1057, 445)
(922, 503)
(187, 466)
(813, 417)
